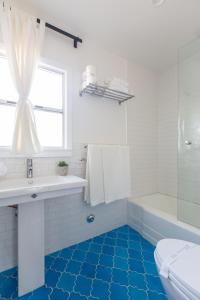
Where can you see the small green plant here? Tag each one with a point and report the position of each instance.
(62, 163)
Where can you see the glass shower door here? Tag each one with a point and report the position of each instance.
(189, 135)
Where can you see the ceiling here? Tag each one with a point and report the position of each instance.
(134, 29)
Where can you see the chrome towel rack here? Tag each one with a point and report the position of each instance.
(105, 92)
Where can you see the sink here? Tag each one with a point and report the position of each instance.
(29, 195)
(13, 190)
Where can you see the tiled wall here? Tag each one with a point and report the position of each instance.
(142, 131)
(65, 218)
(168, 132)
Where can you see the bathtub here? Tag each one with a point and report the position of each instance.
(155, 217)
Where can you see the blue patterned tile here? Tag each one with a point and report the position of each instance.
(76, 296)
(66, 282)
(156, 296)
(55, 254)
(124, 229)
(42, 293)
(58, 294)
(103, 273)
(106, 260)
(121, 243)
(83, 246)
(146, 246)
(100, 289)
(66, 253)
(110, 242)
(154, 284)
(79, 255)
(98, 240)
(148, 256)
(95, 248)
(51, 278)
(49, 260)
(137, 280)
(8, 286)
(116, 265)
(134, 237)
(108, 250)
(10, 273)
(88, 270)
(120, 276)
(73, 267)
(136, 294)
(59, 264)
(122, 252)
(83, 285)
(122, 236)
(111, 234)
(120, 263)
(135, 245)
(136, 265)
(92, 258)
(118, 292)
(135, 254)
(150, 268)
(134, 232)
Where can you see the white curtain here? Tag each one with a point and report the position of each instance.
(23, 37)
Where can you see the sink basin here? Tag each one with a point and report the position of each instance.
(16, 188)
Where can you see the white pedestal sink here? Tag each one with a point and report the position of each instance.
(29, 195)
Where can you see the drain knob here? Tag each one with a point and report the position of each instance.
(90, 218)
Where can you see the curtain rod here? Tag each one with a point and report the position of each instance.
(69, 35)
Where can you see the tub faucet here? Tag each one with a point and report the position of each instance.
(29, 166)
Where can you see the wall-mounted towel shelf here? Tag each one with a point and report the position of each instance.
(105, 92)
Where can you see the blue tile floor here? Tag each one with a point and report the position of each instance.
(118, 265)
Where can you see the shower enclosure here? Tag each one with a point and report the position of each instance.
(189, 134)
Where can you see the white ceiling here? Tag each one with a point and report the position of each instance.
(134, 29)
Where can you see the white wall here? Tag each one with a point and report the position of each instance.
(94, 121)
(142, 130)
(168, 132)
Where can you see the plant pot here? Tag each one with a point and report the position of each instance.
(62, 171)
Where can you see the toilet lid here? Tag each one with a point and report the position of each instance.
(184, 272)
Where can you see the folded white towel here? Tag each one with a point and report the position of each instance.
(94, 192)
(116, 167)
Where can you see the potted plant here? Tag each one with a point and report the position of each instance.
(63, 168)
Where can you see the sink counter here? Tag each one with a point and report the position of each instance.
(17, 191)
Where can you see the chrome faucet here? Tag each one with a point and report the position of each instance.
(29, 168)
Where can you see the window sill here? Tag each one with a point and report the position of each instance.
(6, 153)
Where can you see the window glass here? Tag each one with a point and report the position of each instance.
(47, 92)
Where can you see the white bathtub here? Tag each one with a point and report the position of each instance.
(155, 217)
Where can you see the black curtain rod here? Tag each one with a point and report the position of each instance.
(69, 35)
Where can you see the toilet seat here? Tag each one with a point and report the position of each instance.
(184, 271)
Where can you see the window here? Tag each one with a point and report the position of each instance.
(48, 98)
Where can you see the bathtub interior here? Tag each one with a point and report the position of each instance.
(160, 202)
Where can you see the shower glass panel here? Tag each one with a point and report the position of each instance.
(189, 134)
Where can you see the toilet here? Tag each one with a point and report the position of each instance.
(178, 263)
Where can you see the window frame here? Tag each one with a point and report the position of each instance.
(66, 150)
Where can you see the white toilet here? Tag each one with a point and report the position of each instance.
(178, 263)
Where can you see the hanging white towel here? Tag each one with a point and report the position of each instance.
(116, 168)
(94, 192)
(107, 173)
